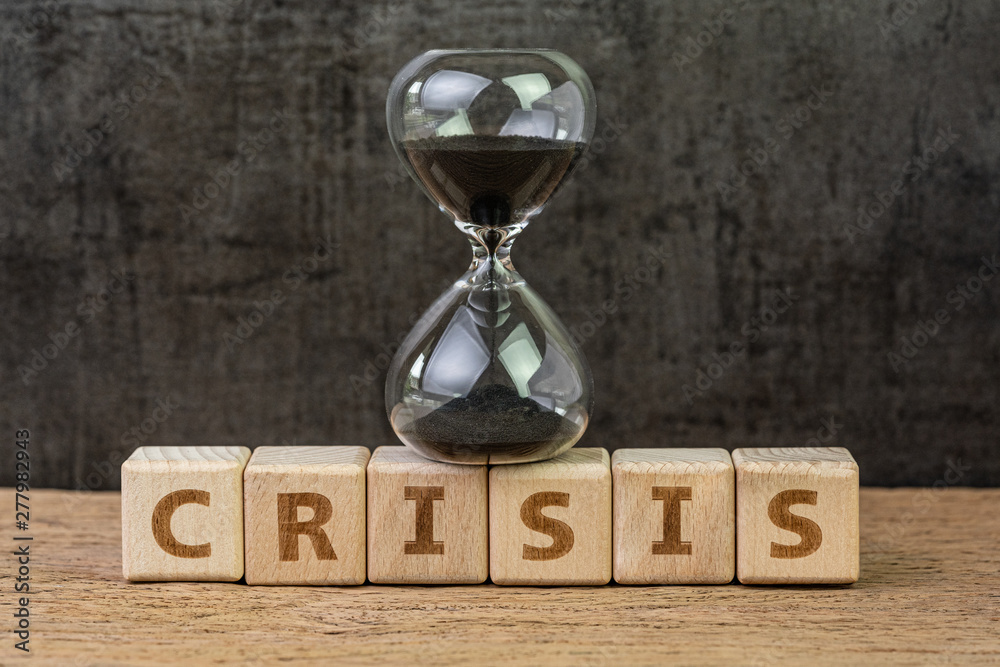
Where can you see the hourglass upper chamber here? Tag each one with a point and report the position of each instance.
(489, 374)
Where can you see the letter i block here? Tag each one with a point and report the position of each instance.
(675, 516)
(796, 516)
(304, 513)
(550, 522)
(182, 513)
(427, 521)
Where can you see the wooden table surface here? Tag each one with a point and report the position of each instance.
(929, 593)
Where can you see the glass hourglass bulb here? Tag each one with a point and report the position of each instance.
(489, 374)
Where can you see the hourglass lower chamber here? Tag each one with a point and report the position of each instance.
(489, 374)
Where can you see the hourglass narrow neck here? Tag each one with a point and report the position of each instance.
(495, 259)
(491, 246)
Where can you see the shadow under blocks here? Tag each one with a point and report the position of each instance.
(341, 516)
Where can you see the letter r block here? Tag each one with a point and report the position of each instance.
(550, 522)
(182, 513)
(796, 515)
(304, 513)
(427, 521)
(675, 516)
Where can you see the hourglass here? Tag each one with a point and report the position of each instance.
(489, 374)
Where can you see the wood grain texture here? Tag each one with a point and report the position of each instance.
(705, 522)
(182, 514)
(928, 595)
(427, 521)
(329, 483)
(796, 515)
(671, 135)
(550, 521)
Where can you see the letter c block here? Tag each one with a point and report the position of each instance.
(550, 522)
(796, 515)
(182, 513)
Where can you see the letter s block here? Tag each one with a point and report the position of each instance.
(427, 521)
(304, 513)
(675, 516)
(550, 522)
(796, 515)
(182, 513)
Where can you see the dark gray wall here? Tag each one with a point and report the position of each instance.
(171, 92)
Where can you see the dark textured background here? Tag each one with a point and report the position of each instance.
(675, 132)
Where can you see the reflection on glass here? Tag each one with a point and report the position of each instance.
(489, 373)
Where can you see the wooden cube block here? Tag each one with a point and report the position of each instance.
(796, 515)
(550, 522)
(427, 521)
(182, 513)
(304, 512)
(675, 516)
